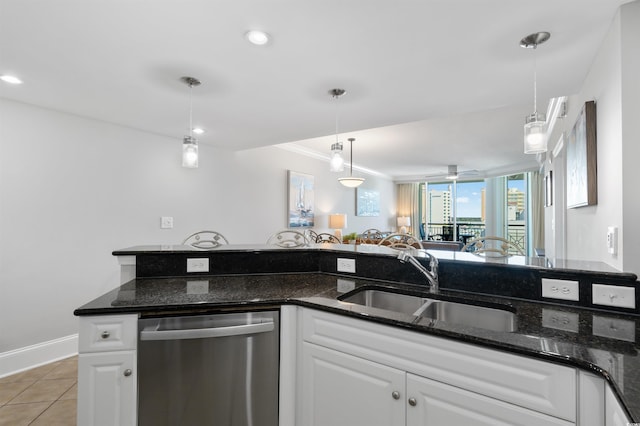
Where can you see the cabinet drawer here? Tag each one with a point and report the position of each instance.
(108, 333)
(541, 386)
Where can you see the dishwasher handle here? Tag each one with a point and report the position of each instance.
(152, 333)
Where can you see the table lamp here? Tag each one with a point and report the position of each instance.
(403, 222)
(338, 221)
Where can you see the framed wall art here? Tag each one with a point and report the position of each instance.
(367, 202)
(582, 183)
(300, 199)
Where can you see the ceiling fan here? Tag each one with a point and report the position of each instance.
(453, 174)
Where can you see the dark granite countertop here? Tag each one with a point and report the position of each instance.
(605, 343)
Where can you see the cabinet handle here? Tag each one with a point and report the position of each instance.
(105, 334)
(395, 395)
(127, 372)
(412, 402)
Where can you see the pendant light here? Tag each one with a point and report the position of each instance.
(336, 163)
(351, 182)
(189, 143)
(535, 136)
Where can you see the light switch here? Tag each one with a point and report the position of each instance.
(166, 222)
(614, 295)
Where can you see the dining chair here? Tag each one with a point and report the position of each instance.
(401, 242)
(205, 240)
(311, 235)
(325, 237)
(491, 246)
(371, 236)
(288, 238)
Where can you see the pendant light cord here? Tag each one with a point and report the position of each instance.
(351, 157)
(535, 80)
(336, 98)
(190, 110)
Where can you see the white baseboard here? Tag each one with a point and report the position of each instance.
(18, 360)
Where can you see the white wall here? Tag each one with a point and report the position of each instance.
(612, 82)
(72, 190)
(630, 33)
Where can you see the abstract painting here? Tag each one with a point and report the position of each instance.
(367, 202)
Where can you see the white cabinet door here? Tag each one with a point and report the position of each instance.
(615, 415)
(343, 390)
(531, 383)
(434, 403)
(107, 383)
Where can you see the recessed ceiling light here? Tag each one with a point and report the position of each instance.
(198, 130)
(10, 79)
(259, 38)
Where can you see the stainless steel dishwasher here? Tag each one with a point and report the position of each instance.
(219, 370)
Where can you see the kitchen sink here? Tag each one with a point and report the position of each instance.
(387, 300)
(448, 311)
(470, 315)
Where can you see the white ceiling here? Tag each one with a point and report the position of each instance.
(429, 82)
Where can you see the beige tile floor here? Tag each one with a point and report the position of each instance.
(45, 395)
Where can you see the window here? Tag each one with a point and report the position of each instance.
(516, 187)
(462, 211)
(453, 210)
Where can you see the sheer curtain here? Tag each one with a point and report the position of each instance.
(537, 210)
(408, 204)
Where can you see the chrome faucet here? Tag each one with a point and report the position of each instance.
(432, 275)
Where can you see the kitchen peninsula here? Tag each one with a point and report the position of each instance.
(565, 362)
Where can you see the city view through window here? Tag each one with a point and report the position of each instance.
(465, 218)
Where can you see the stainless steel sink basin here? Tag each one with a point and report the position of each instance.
(470, 315)
(447, 311)
(387, 300)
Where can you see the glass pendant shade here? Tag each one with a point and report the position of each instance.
(336, 161)
(351, 182)
(535, 134)
(535, 126)
(189, 143)
(336, 164)
(189, 152)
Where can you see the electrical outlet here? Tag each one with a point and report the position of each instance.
(614, 295)
(560, 289)
(166, 222)
(198, 265)
(346, 265)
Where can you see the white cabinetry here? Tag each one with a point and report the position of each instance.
(355, 366)
(341, 389)
(614, 413)
(434, 403)
(107, 375)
